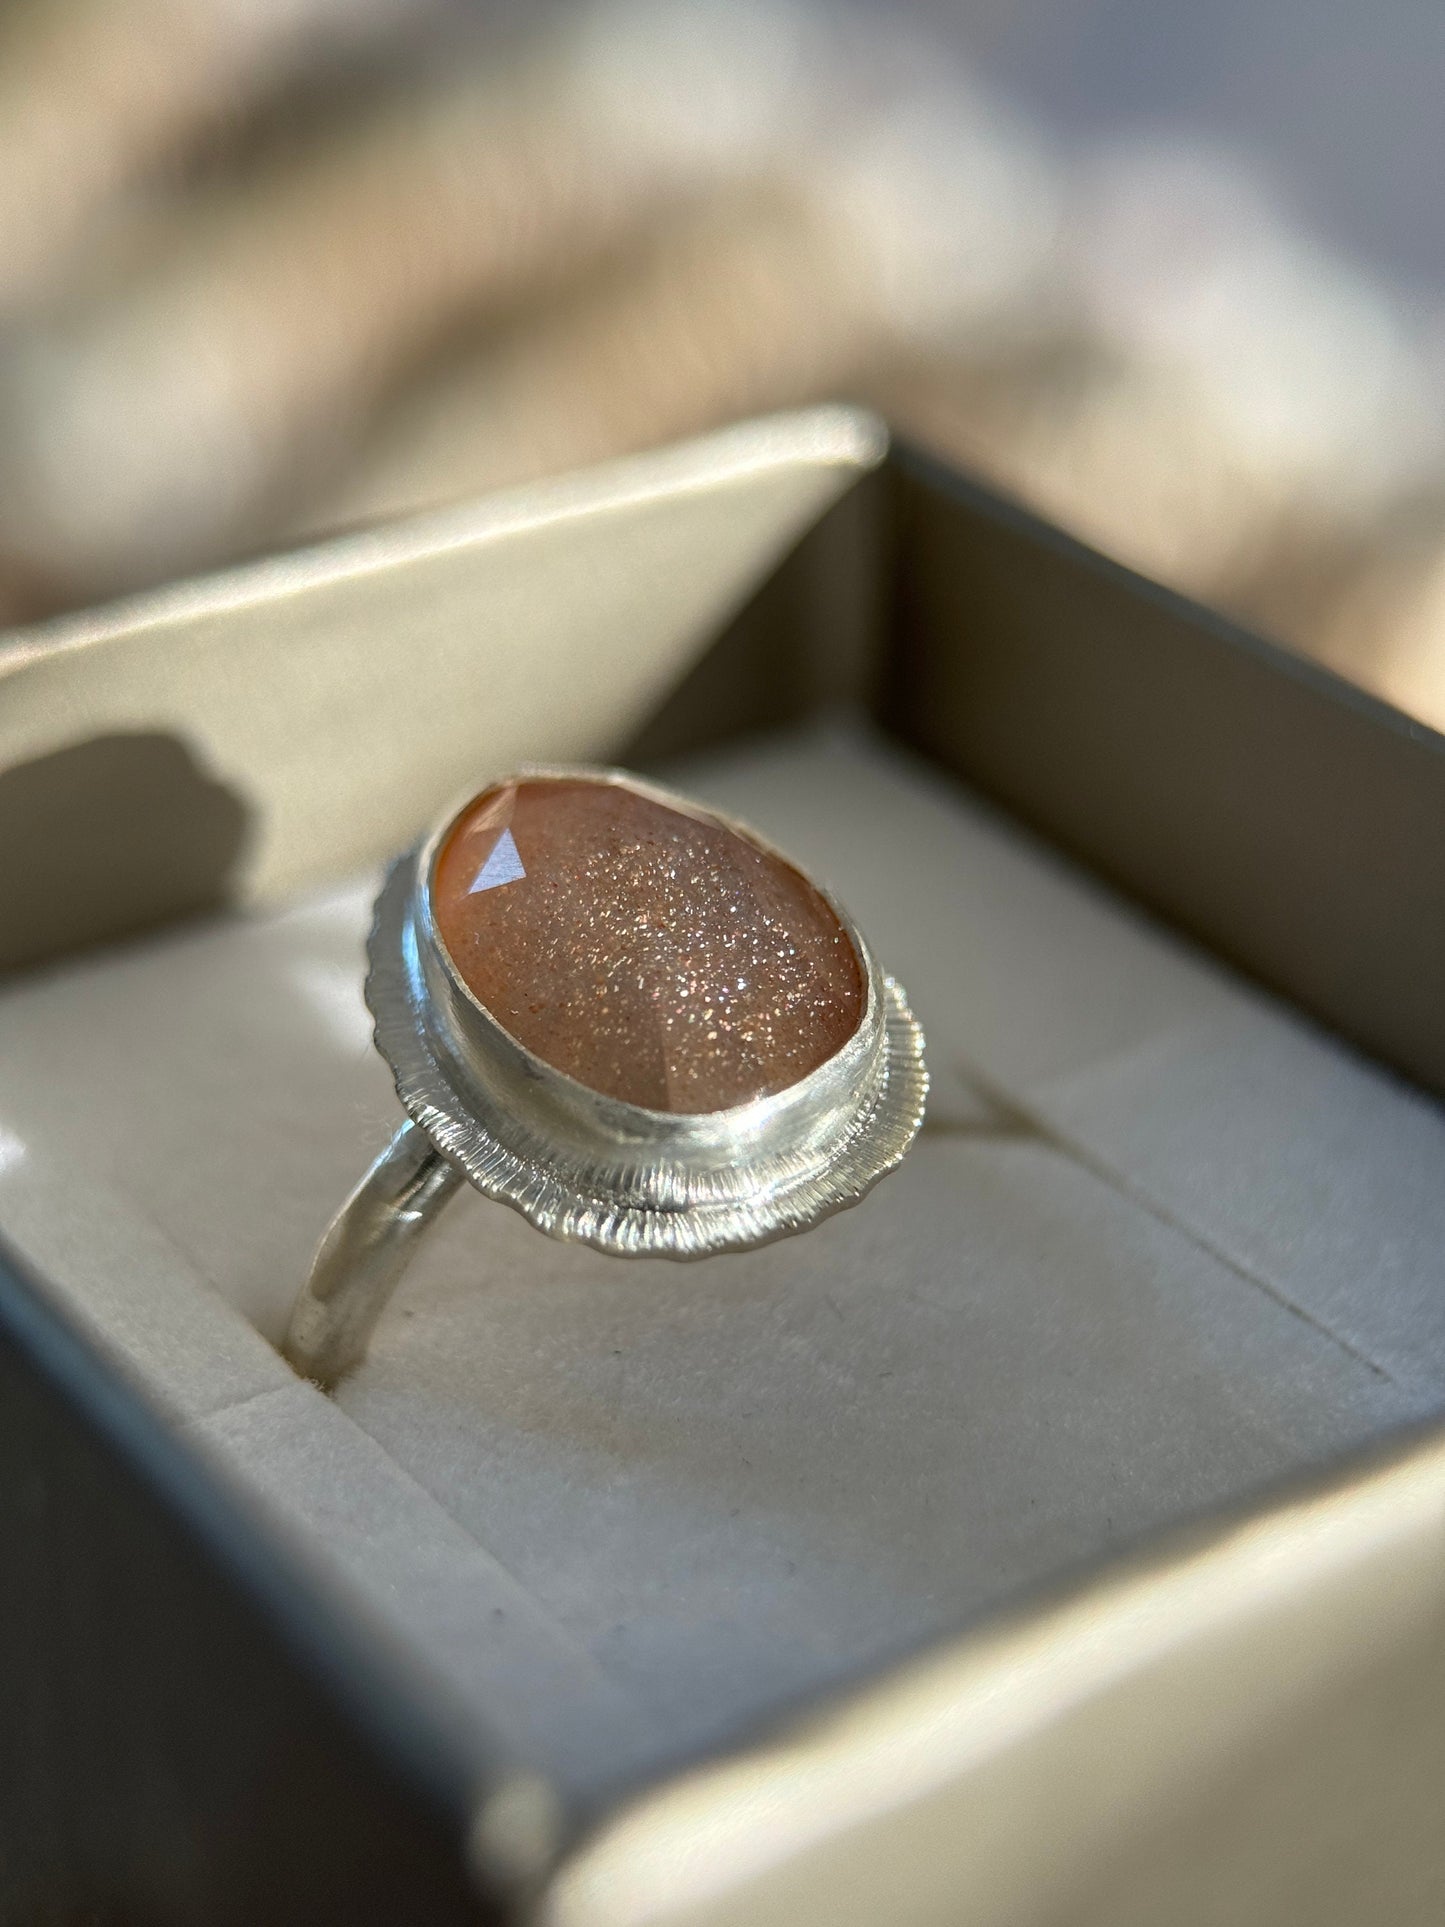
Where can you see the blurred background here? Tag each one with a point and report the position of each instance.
(1172, 273)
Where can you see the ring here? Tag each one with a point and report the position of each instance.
(625, 1015)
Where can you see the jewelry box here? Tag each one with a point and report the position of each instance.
(1052, 1538)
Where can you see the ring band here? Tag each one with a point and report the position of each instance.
(572, 940)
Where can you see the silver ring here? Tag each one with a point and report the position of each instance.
(586, 1163)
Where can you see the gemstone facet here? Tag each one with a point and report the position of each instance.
(649, 951)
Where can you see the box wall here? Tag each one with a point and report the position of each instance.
(174, 1753)
(1272, 811)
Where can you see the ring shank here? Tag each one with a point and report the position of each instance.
(363, 1254)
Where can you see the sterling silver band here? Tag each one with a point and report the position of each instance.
(366, 1249)
(578, 1164)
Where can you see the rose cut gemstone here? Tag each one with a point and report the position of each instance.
(644, 949)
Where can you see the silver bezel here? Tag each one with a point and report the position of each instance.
(613, 1175)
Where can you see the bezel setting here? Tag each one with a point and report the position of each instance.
(594, 1169)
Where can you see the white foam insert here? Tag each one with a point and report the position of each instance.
(1161, 1243)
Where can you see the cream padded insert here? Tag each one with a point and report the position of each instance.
(1160, 1244)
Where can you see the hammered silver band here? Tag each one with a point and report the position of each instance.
(581, 1165)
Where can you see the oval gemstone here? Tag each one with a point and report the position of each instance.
(648, 951)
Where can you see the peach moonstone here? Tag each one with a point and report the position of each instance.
(649, 952)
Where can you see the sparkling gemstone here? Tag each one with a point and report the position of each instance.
(646, 950)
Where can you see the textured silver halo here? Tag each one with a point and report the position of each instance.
(613, 1175)
(579, 1164)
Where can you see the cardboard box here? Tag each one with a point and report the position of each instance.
(1018, 1547)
